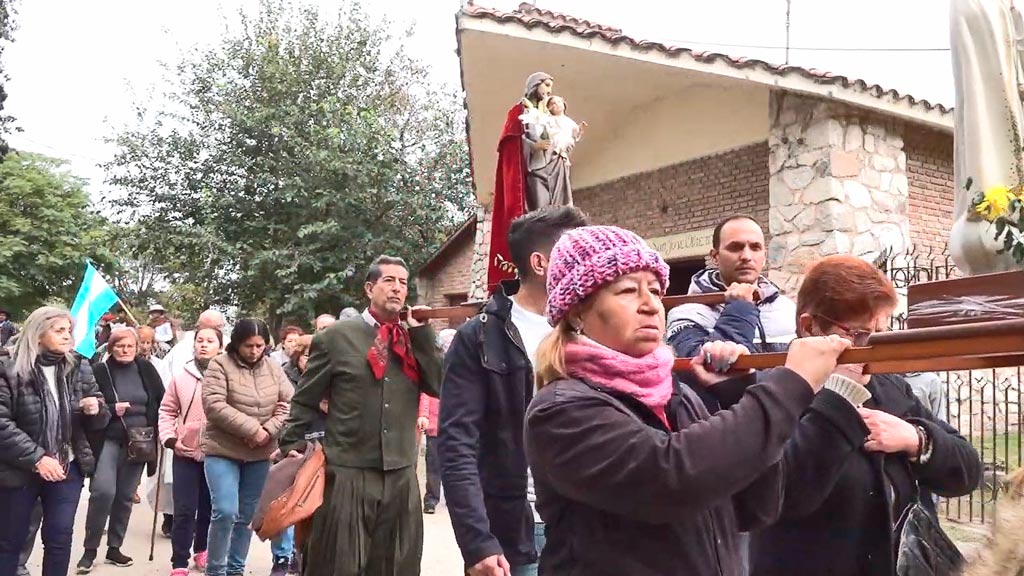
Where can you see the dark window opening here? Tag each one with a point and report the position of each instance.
(680, 274)
(456, 300)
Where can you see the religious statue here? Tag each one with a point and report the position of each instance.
(550, 135)
(533, 166)
(987, 40)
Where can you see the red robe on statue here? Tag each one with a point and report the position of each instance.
(509, 197)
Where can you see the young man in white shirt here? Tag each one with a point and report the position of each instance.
(487, 386)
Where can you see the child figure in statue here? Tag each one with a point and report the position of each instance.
(563, 131)
(547, 160)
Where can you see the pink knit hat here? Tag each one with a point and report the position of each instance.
(585, 259)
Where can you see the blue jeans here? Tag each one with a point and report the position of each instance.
(539, 540)
(284, 544)
(235, 489)
(60, 502)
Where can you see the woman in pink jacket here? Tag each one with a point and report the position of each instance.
(182, 421)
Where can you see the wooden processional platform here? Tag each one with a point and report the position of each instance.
(968, 323)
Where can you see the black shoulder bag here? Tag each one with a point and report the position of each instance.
(140, 441)
(924, 549)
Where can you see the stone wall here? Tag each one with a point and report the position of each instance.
(838, 184)
(480, 249)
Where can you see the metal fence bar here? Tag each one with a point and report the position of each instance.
(991, 421)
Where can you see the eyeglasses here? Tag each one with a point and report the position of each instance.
(857, 336)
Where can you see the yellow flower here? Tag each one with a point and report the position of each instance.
(996, 203)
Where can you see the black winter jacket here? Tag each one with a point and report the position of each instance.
(488, 383)
(154, 386)
(842, 503)
(622, 494)
(21, 419)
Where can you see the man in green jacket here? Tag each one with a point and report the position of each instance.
(371, 368)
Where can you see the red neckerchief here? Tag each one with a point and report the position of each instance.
(392, 336)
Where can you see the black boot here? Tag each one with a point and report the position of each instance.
(167, 525)
(280, 566)
(115, 557)
(86, 563)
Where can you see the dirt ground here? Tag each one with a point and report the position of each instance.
(440, 554)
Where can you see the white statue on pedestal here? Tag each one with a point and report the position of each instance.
(987, 40)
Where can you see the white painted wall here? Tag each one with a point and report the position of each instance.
(662, 130)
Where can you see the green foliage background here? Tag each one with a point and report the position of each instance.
(283, 161)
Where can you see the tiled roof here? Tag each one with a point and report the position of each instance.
(466, 228)
(531, 17)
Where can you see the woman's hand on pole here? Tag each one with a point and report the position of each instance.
(714, 362)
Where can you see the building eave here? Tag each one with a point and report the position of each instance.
(793, 78)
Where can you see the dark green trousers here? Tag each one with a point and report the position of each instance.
(370, 524)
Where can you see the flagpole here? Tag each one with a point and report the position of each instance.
(119, 300)
(126, 309)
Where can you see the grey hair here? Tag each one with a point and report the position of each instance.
(27, 349)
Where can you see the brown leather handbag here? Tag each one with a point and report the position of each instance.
(292, 493)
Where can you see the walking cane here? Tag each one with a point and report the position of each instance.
(156, 503)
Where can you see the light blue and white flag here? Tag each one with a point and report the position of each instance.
(94, 298)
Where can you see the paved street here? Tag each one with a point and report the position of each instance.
(440, 554)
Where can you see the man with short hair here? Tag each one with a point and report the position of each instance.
(755, 313)
(7, 328)
(372, 369)
(323, 322)
(489, 381)
(182, 351)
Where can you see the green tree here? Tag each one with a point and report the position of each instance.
(49, 231)
(292, 154)
(7, 27)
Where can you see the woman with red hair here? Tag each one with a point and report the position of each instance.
(863, 449)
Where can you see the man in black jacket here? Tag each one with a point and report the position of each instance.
(488, 384)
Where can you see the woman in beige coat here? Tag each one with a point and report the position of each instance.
(245, 398)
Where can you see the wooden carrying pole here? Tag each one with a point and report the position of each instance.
(980, 345)
(473, 308)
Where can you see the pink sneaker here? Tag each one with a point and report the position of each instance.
(179, 572)
(200, 561)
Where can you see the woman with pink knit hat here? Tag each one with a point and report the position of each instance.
(632, 474)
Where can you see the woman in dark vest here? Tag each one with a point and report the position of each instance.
(133, 389)
(48, 400)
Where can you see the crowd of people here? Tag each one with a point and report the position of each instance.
(557, 429)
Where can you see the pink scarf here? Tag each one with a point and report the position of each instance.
(648, 379)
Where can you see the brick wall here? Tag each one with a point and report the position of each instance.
(687, 196)
(449, 276)
(930, 172)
